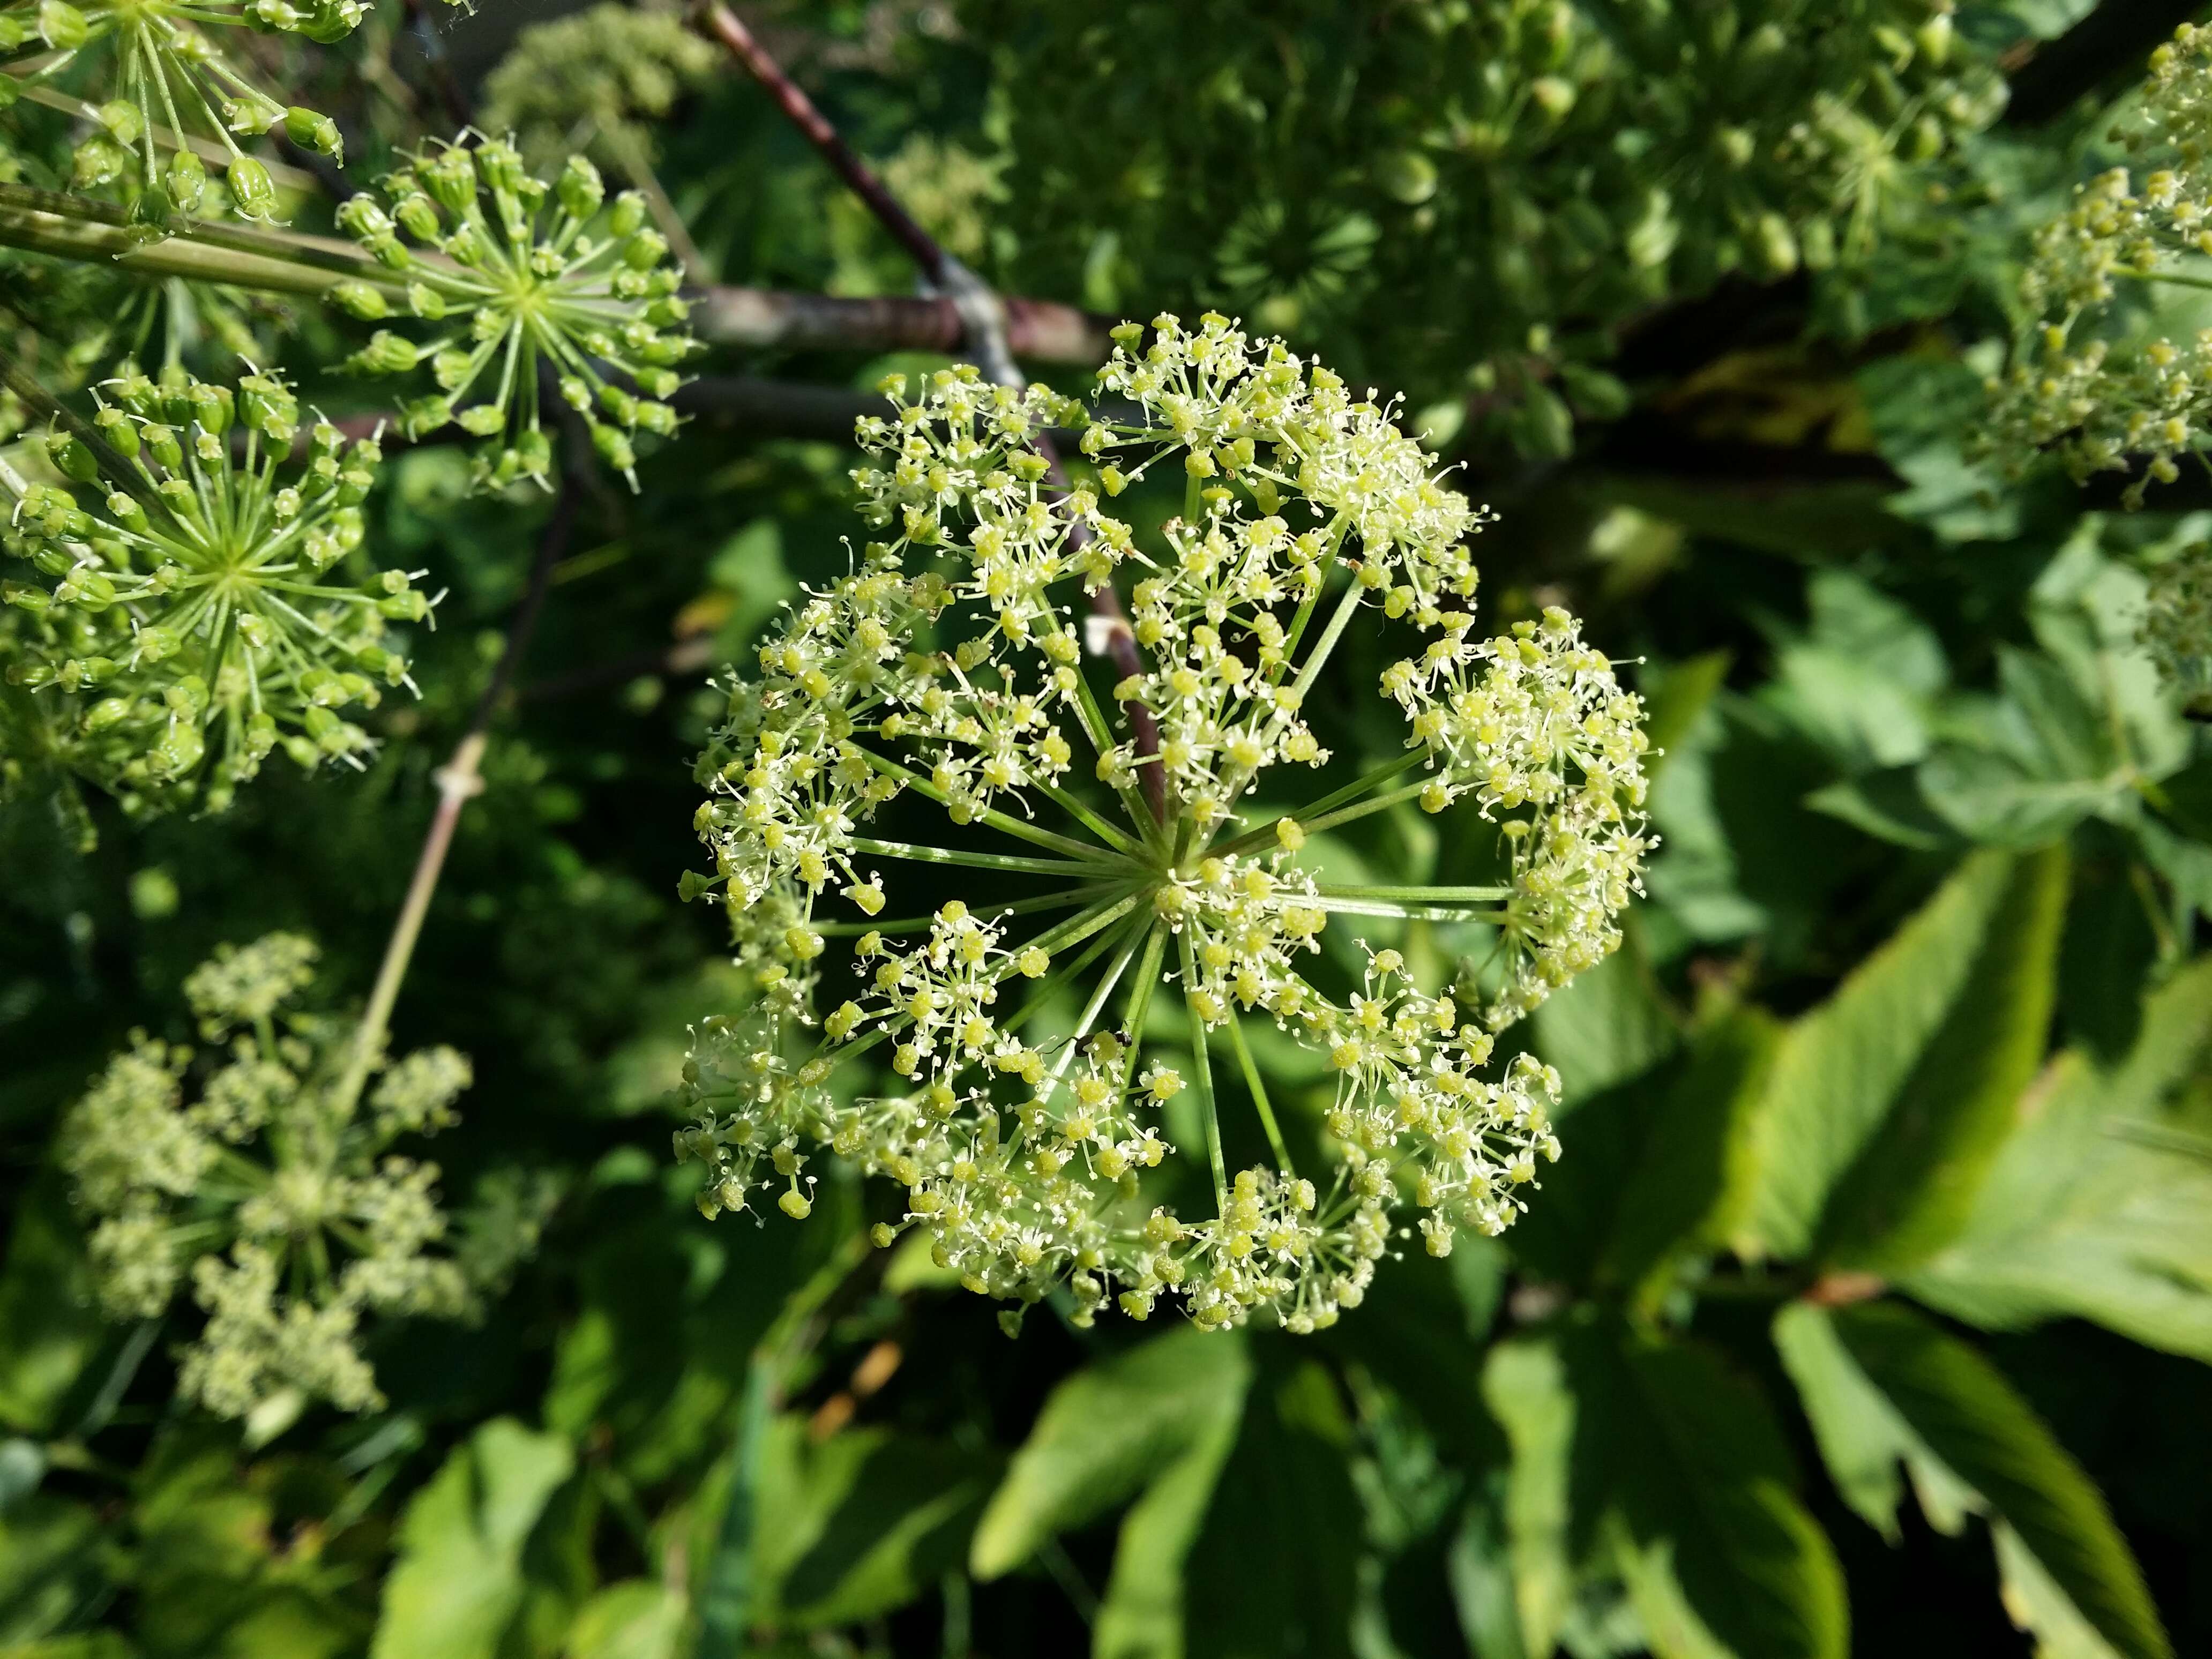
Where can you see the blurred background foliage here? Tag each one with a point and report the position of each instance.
(1870, 1307)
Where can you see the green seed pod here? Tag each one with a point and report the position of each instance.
(116, 427)
(614, 448)
(580, 190)
(98, 160)
(386, 353)
(61, 25)
(72, 456)
(419, 215)
(629, 215)
(186, 178)
(362, 299)
(252, 115)
(314, 132)
(211, 407)
(1406, 176)
(125, 120)
(252, 191)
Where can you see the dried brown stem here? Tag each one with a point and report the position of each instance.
(718, 20)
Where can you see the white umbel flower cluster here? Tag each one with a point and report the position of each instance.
(248, 1175)
(1038, 1029)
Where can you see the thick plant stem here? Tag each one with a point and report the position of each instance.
(458, 779)
(720, 22)
(277, 262)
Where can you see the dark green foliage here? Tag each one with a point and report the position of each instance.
(1868, 1308)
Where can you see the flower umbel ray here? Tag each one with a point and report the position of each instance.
(184, 575)
(531, 277)
(1033, 1060)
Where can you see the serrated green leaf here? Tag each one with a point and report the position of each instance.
(2099, 1204)
(1103, 1434)
(1696, 1173)
(1610, 1024)
(458, 1581)
(861, 1522)
(1902, 1074)
(1285, 1499)
(1881, 1384)
(1653, 1453)
(1913, 1187)
(1142, 1615)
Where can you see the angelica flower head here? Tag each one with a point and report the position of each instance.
(2086, 383)
(169, 81)
(247, 1172)
(516, 278)
(207, 599)
(932, 725)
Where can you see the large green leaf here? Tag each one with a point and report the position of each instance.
(46, 1308)
(635, 1619)
(1285, 1502)
(861, 1522)
(1142, 1615)
(1609, 1026)
(1694, 1172)
(1104, 1433)
(1885, 1104)
(459, 1580)
(1654, 1454)
(2099, 1204)
(1882, 1386)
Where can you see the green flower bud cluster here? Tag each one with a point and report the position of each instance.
(607, 73)
(924, 714)
(170, 84)
(1489, 182)
(2085, 383)
(241, 1171)
(187, 586)
(521, 273)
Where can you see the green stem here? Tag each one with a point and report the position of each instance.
(1081, 851)
(1304, 815)
(1346, 814)
(1260, 1096)
(1203, 1081)
(2175, 278)
(1140, 993)
(1127, 846)
(915, 853)
(456, 783)
(1416, 895)
(1060, 901)
(72, 227)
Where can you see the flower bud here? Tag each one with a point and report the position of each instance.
(362, 299)
(61, 25)
(250, 191)
(580, 190)
(186, 180)
(314, 132)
